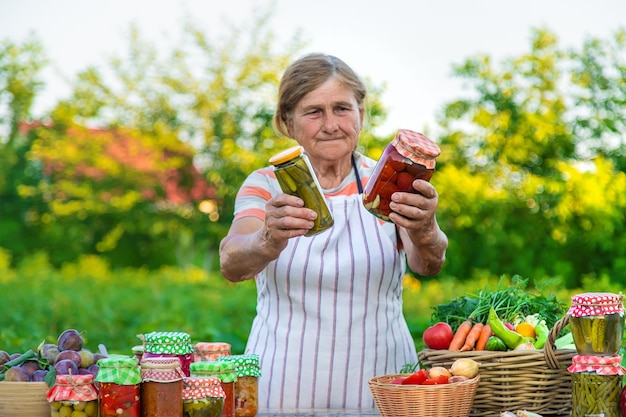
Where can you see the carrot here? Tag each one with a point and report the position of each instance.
(459, 336)
(485, 334)
(472, 337)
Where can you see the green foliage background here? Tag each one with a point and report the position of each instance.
(531, 180)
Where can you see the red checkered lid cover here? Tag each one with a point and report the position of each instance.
(601, 365)
(417, 147)
(596, 304)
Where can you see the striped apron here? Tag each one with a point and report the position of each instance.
(329, 314)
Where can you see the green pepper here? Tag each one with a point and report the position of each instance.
(510, 338)
(541, 331)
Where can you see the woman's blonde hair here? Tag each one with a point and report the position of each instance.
(305, 75)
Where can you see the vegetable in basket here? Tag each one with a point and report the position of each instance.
(510, 338)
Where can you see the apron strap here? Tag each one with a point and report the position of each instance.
(356, 173)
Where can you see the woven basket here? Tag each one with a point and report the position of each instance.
(531, 380)
(445, 400)
(24, 399)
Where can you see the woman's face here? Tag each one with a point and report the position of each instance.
(327, 121)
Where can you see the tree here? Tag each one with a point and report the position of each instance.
(518, 174)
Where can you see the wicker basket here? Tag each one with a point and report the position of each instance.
(24, 399)
(536, 381)
(446, 400)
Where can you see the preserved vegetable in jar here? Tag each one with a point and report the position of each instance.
(597, 323)
(225, 372)
(596, 385)
(210, 351)
(169, 344)
(119, 379)
(296, 177)
(247, 385)
(73, 395)
(202, 397)
(161, 387)
(408, 157)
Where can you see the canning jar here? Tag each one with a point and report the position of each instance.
(296, 177)
(169, 344)
(119, 380)
(161, 387)
(597, 323)
(247, 384)
(225, 372)
(596, 385)
(202, 397)
(210, 351)
(73, 395)
(409, 156)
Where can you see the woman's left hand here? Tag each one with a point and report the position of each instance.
(415, 212)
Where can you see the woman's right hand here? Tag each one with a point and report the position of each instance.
(286, 217)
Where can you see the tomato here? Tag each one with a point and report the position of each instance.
(405, 181)
(416, 378)
(398, 381)
(622, 402)
(383, 207)
(438, 380)
(397, 164)
(438, 336)
(387, 173)
(385, 190)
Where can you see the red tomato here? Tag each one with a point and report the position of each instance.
(441, 379)
(398, 165)
(405, 181)
(385, 190)
(387, 173)
(438, 336)
(416, 378)
(383, 207)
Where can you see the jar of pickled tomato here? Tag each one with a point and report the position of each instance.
(169, 344)
(597, 323)
(202, 397)
(73, 395)
(210, 351)
(296, 176)
(247, 384)
(161, 387)
(119, 379)
(410, 156)
(225, 372)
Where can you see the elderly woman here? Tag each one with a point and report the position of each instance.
(329, 307)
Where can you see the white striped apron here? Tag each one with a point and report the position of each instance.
(329, 314)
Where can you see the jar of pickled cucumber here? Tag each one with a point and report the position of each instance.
(225, 372)
(161, 387)
(210, 351)
(202, 397)
(169, 344)
(596, 385)
(247, 385)
(296, 177)
(119, 379)
(73, 395)
(597, 323)
(408, 157)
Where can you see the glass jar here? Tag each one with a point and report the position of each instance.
(247, 384)
(296, 177)
(202, 397)
(161, 387)
(225, 372)
(73, 395)
(119, 379)
(597, 323)
(408, 157)
(210, 351)
(169, 344)
(596, 385)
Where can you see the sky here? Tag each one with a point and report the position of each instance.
(408, 45)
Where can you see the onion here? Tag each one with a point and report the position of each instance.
(465, 367)
(526, 346)
(436, 371)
